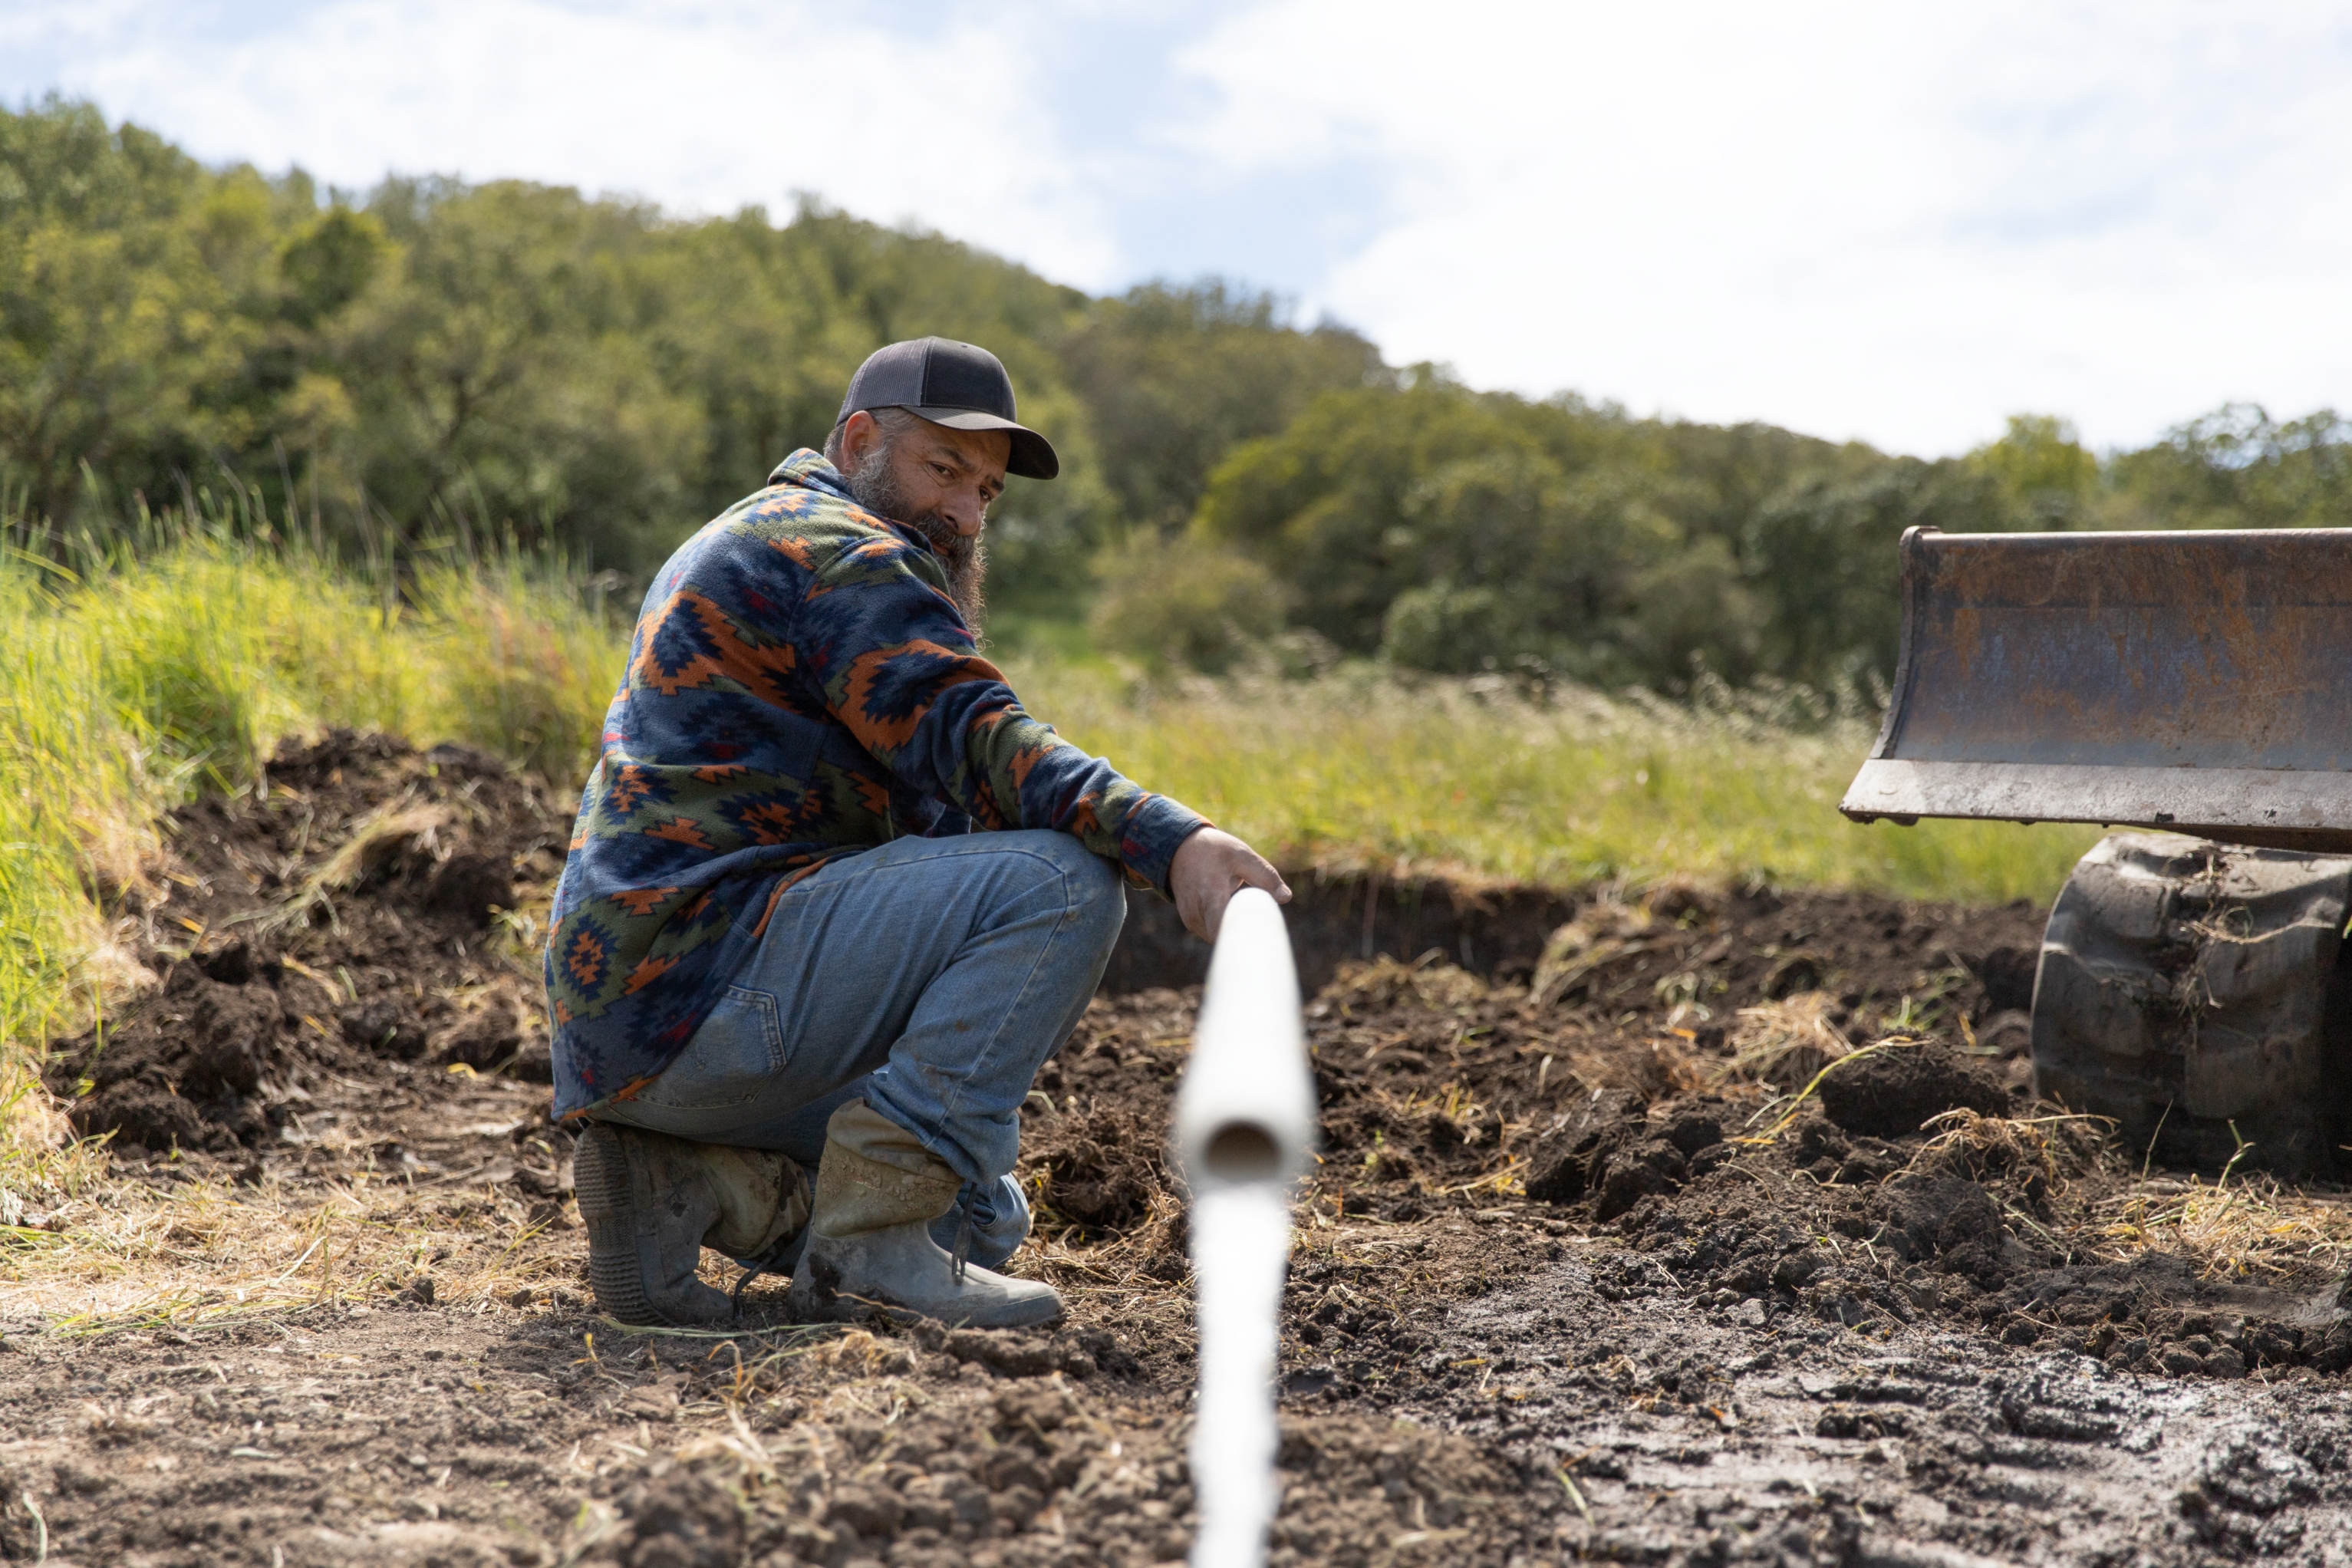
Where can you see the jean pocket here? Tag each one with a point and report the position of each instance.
(738, 1052)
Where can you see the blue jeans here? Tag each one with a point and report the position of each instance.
(930, 977)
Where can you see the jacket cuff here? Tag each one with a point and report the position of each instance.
(1150, 837)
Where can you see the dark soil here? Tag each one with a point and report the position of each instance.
(1569, 1284)
(392, 968)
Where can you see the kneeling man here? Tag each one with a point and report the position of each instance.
(834, 896)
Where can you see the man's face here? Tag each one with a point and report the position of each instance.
(936, 480)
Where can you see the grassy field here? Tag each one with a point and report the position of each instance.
(133, 685)
(1356, 770)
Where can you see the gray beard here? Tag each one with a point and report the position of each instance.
(966, 559)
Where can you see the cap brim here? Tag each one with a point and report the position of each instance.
(1033, 457)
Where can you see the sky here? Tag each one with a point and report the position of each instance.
(1892, 222)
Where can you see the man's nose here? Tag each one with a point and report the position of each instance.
(966, 512)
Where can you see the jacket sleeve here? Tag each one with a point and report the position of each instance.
(881, 639)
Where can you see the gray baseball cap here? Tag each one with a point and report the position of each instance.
(960, 386)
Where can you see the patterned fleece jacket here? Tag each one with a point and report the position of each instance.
(800, 687)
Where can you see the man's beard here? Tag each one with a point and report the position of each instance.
(965, 558)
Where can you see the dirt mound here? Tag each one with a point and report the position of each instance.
(337, 922)
(1097, 1169)
(675, 1518)
(1979, 1229)
(1619, 1086)
(1896, 1090)
(1095, 1135)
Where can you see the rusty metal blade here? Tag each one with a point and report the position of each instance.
(2195, 681)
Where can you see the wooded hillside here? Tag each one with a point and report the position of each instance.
(431, 365)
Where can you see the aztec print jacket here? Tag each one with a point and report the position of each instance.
(800, 687)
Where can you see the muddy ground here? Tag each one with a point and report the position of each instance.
(1583, 1273)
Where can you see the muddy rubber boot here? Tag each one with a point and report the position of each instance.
(869, 1243)
(651, 1202)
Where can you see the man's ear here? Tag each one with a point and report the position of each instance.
(859, 435)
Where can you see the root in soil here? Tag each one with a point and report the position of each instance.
(1726, 1231)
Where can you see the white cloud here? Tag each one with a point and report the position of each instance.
(1893, 222)
(702, 106)
(1899, 222)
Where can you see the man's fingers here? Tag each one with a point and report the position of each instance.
(1209, 915)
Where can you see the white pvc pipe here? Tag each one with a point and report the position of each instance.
(1244, 1129)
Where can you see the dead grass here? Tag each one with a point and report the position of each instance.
(1128, 1260)
(2057, 1146)
(209, 1251)
(2247, 1227)
(1385, 982)
(2238, 1227)
(1602, 933)
(399, 828)
(1785, 1042)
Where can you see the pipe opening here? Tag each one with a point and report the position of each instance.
(1242, 1152)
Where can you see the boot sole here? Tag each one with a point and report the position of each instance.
(599, 1175)
(848, 1306)
(1031, 1315)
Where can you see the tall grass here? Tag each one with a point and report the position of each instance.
(1357, 771)
(63, 769)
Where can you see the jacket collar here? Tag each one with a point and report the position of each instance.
(809, 469)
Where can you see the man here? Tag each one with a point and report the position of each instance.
(834, 896)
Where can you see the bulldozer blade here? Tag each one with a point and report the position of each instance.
(2190, 681)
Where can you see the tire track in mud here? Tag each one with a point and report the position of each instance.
(1690, 1434)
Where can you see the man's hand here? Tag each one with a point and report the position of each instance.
(1209, 869)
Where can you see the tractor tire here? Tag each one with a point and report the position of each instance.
(2195, 994)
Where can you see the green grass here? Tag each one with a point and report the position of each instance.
(1356, 770)
(128, 689)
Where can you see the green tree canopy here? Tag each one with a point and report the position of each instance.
(432, 361)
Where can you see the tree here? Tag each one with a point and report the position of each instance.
(1174, 378)
(2041, 469)
(2238, 467)
(439, 362)
(115, 330)
(1822, 558)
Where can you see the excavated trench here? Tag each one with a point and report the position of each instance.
(1581, 1273)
